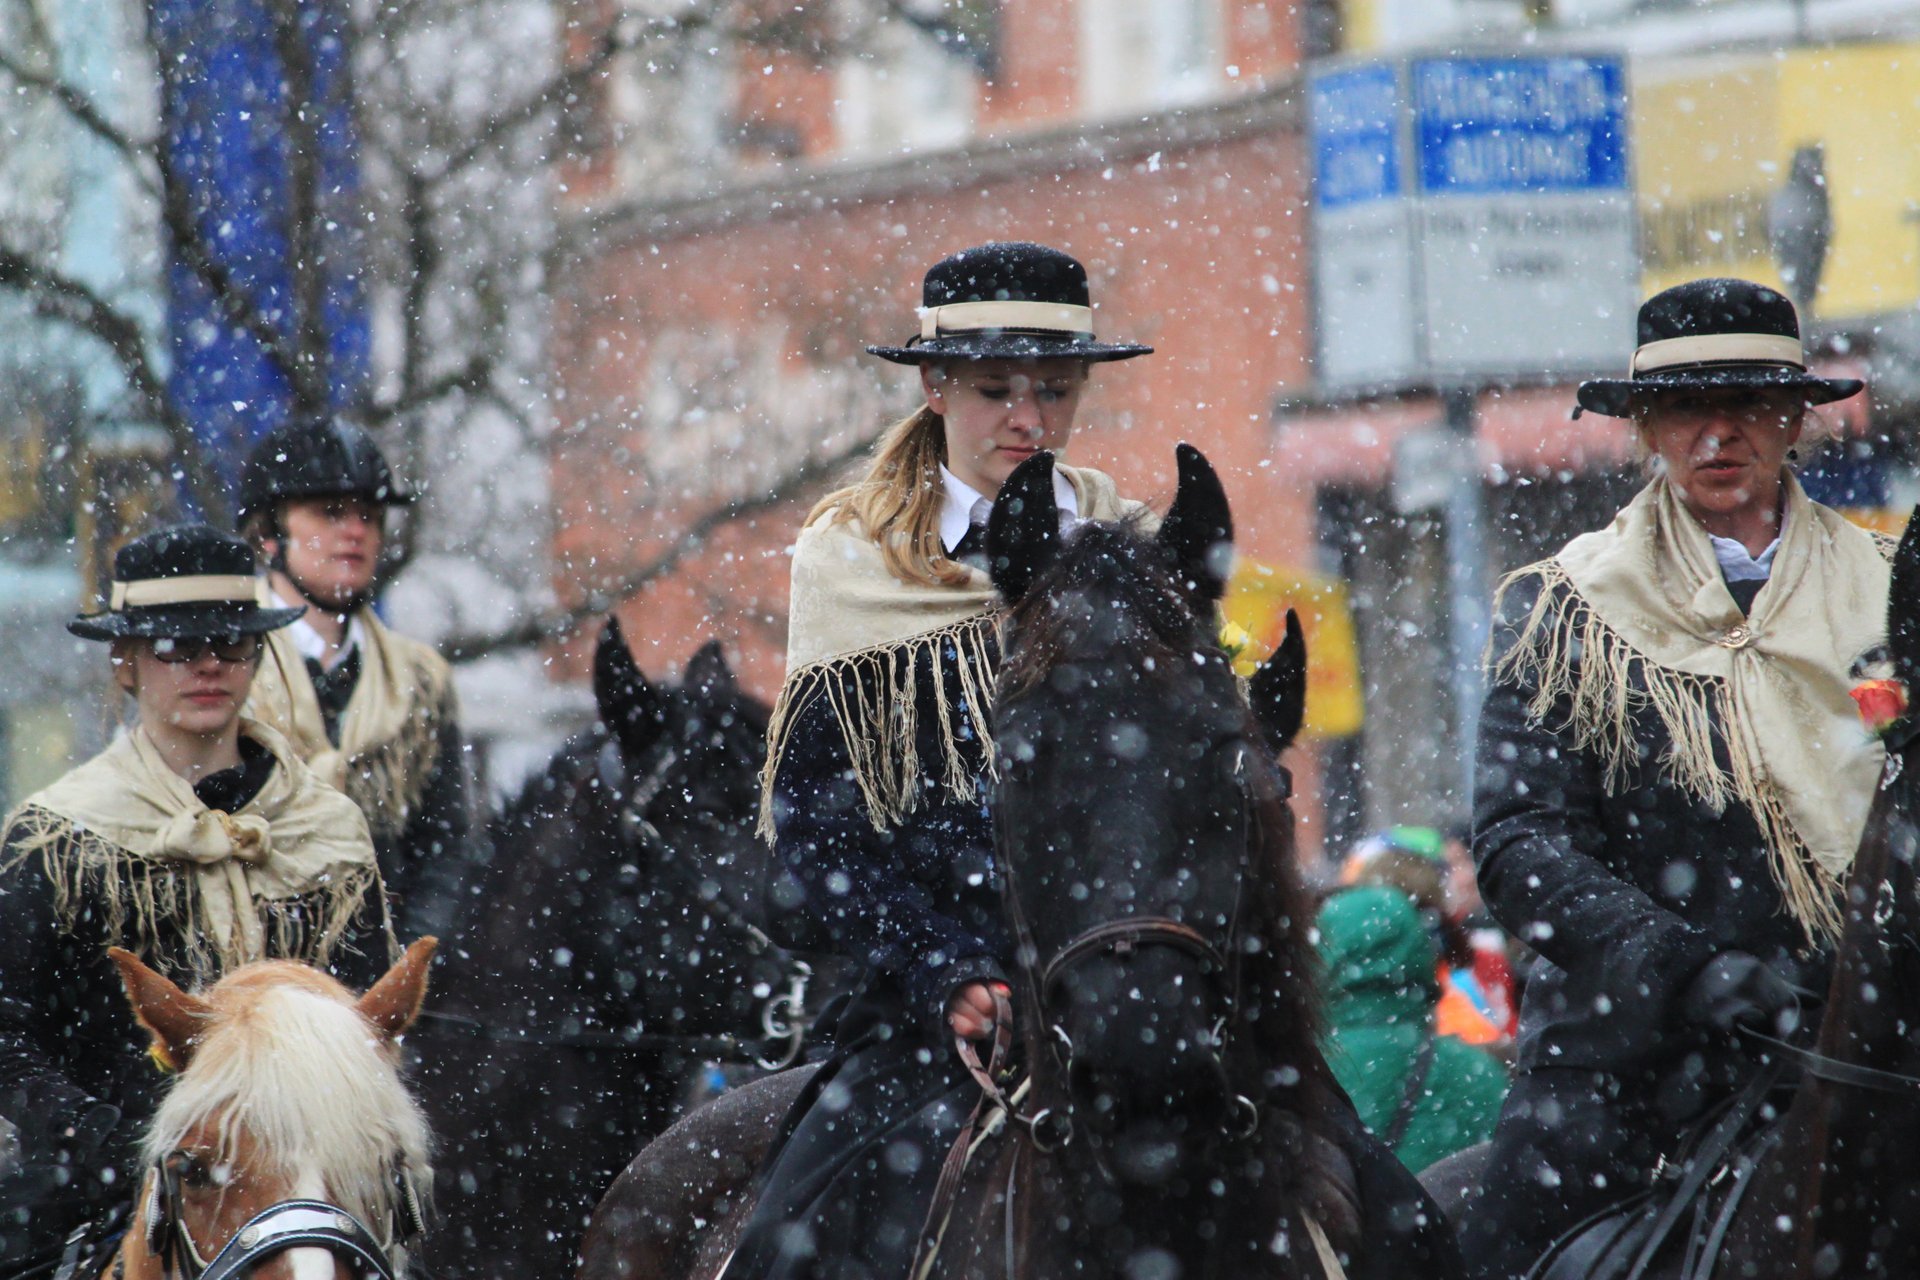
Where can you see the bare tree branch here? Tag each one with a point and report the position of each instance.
(63, 298)
(137, 154)
(695, 536)
(472, 376)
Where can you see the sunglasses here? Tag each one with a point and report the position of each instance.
(192, 648)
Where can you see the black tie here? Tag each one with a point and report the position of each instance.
(972, 547)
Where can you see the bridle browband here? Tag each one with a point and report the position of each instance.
(1124, 937)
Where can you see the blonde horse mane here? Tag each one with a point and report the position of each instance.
(288, 1059)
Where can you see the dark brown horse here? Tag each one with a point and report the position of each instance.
(1829, 1186)
(1177, 1118)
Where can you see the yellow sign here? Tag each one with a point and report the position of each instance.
(1257, 601)
(1810, 158)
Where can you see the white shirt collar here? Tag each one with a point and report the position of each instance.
(965, 506)
(1737, 564)
(310, 643)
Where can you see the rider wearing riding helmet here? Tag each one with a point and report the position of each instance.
(371, 711)
(1671, 777)
(197, 840)
(879, 756)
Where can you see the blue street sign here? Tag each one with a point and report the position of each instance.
(1520, 124)
(1354, 114)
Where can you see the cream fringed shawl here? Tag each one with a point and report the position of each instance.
(389, 733)
(126, 837)
(855, 636)
(1645, 596)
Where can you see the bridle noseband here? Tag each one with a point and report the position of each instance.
(290, 1224)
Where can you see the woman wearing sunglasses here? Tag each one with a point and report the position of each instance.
(197, 839)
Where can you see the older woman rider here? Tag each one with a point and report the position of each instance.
(878, 752)
(1671, 776)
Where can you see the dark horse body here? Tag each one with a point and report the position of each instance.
(1179, 1119)
(607, 949)
(1829, 1186)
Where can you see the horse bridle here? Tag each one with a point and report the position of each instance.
(289, 1224)
(783, 1021)
(1048, 1128)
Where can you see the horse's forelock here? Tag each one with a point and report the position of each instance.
(316, 1088)
(1105, 568)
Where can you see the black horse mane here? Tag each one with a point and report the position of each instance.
(561, 777)
(1111, 585)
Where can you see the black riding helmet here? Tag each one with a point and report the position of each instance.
(316, 458)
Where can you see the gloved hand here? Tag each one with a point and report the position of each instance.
(1735, 989)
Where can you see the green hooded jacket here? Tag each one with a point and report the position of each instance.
(1382, 985)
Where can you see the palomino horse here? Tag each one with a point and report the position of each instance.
(1178, 1119)
(1830, 1186)
(287, 1146)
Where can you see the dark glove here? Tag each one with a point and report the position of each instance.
(1735, 989)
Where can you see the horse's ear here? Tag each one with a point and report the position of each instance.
(172, 1017)
(392, 1003)
(1198, 529)
(1278, 690)
(1903, 608)
(708, 674)
(1023, 530)
(629, 705)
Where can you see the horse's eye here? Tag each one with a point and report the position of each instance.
(192, 1170)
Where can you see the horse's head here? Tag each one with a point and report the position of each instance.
(287, 1134)
(1143, 827)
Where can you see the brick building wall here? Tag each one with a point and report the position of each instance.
(739, 308)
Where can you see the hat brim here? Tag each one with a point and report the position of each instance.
(1615, 397)
(181, 622)
(1003, 345)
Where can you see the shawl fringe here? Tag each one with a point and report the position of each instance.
(1565, 650)
(157, 910)
(874, 700)
(389, 779)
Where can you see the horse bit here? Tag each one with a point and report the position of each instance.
(783, 1022)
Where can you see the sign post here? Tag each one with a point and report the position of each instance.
(1473, 224)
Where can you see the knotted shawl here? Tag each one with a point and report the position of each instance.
(1645, 596)
(856, 633)
(389, 733)
(125, 834)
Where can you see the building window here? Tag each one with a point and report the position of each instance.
(1137, 55)
(904, 91)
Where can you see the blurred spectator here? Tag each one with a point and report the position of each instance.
(1476, 984)
(1425, 1094)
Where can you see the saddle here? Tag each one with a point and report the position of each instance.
(1694, 1196)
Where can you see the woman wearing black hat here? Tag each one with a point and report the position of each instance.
(878, 752)
(371, 711)
(197, 840)
(1671, 776)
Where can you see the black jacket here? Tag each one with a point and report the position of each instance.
(919, 904)
(1625, 896)
(75, 1079)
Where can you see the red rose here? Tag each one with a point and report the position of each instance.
(1881, 702)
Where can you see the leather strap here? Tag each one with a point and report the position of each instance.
(1833, 1070)
(954, 1167)
(1123, 936)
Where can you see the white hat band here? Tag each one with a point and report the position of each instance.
(972, 317)
(1715, 348)
(205, 588)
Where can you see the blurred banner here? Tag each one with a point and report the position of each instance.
(1256, 604)
(259, 139)
(1800, 169)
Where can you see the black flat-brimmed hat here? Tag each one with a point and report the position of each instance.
(1714, 334)
(1010, 300)
(316, 457)
(180, 582)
